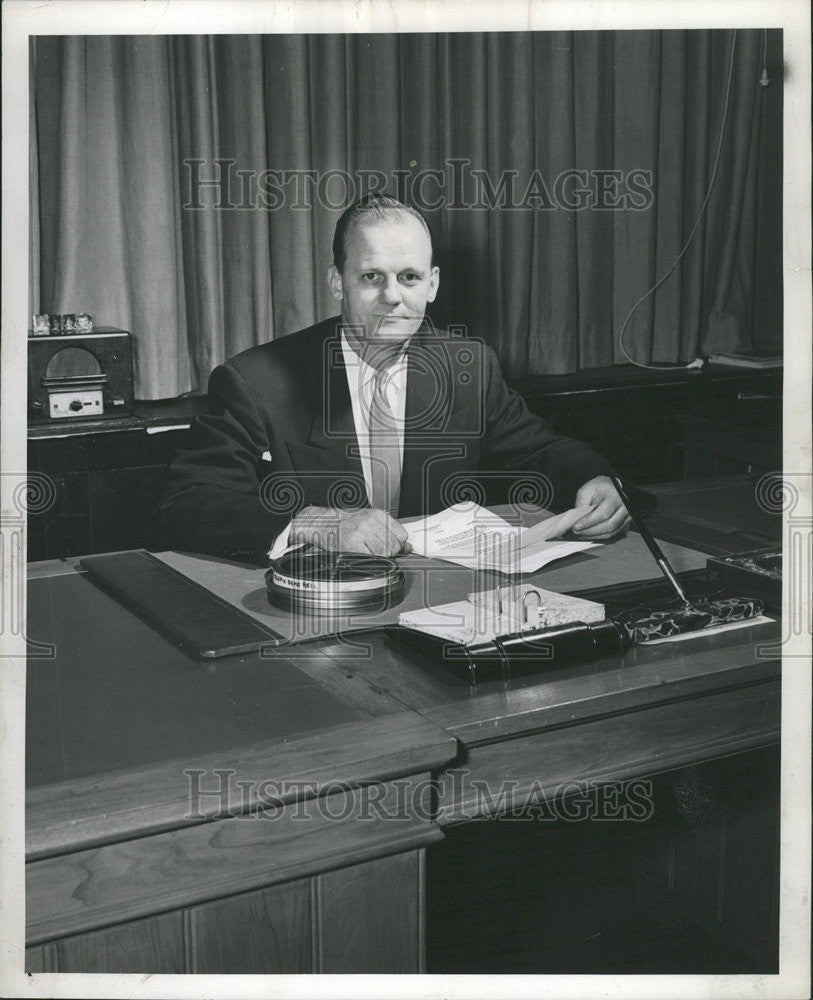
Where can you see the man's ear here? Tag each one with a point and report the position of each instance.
(334, 279)
(434, 281)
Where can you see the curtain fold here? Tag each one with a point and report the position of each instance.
(553, 334)
(186, 188)
(34, 243)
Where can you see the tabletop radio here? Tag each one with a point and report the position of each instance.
(79, 376)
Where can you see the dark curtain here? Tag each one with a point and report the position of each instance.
(483, 130)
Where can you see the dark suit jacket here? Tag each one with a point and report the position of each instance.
(289, 399)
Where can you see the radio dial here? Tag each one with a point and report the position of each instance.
(75, 405)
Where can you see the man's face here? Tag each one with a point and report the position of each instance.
(387, 279)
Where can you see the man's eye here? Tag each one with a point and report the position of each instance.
(370, 277)
(411, 277)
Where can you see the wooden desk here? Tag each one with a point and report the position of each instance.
(304, 851)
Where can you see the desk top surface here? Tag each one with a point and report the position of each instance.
(720, 515)
(430, 583)
(118, 695)
(118, 699)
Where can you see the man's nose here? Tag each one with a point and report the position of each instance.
(392, 293)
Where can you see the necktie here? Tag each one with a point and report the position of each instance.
(385, 450)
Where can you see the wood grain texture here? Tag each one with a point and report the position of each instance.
(126, 804)
(153, 945)
(111, 851)
(371, 918)
(335, 669)
(89, 889)
(609, 749)
(498, 709)
(41, 958)
(711, 852)
(644, 677)
(266, 931)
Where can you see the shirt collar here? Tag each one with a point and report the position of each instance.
(366, 373)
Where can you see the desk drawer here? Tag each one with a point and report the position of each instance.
(511, 775)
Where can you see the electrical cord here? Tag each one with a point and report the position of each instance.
(698, 362)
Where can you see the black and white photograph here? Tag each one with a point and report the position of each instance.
(406, 499)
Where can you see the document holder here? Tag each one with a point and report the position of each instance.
(637, 612)
(522, 653)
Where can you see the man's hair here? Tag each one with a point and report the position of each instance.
(372, 208)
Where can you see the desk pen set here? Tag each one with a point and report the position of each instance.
(520, 629)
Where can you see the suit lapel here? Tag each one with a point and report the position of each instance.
(330, 457)
(328, 462)
(333, 426)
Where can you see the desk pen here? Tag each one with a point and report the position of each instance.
(652, 545)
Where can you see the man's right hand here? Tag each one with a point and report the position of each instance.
(337, 530)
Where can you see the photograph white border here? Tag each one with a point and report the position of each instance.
(23, 18)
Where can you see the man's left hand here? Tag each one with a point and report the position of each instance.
(607, 518)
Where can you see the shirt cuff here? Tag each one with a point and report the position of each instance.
(281, 543)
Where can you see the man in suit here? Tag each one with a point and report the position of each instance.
(328, 435)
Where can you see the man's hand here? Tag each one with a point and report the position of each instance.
(337, 530)
(608, 516)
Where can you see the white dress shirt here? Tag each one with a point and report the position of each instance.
(361, 383)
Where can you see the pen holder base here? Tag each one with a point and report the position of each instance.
(648, 623)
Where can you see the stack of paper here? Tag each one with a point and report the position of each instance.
(504, 611)
(472, 536)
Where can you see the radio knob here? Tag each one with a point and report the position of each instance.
(75, 404)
